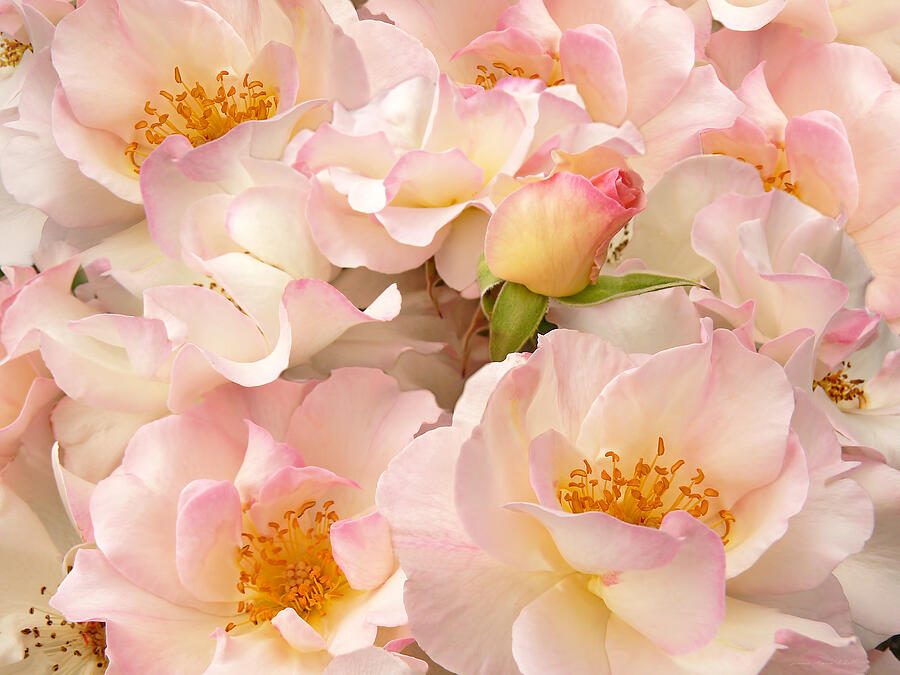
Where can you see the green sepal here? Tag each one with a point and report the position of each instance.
(489, 285)
(79, 278)
(515, 317)
(608, 287)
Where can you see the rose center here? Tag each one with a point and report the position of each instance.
(290, 566)
(840, 388)
(68, 646)
(201, 116)
(11, 52)
(487, 76)
(646, 497)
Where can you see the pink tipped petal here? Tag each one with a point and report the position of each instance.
(385, 420)
(595, 542)
(835, 522)
(351, 239)
(487, 127)
(264, 457)
(135, 528)
(551, 458)
(419, 225)
(371, 155)
(386, 68)
(98, 152)
(821, 162)
(870, 576)
(457, 259)
(362, 549)
(562, 631)
(703, 103)
(76, 494)
(662, 233)
(139, 624)
(678, 606)
(429, 179)
(478, 389)
(375, 661)
(590, 61)
(298, 634)
(808, 83)
(290, 487)
(657, 57)
(735, 653)
(446, 571)
(207, 535)
(284, 241)
(508, 46)
(762, 109)
(532, 17)
(493, 467)
(238, 654)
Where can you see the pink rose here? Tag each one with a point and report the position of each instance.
(594, 511)
(242, 536)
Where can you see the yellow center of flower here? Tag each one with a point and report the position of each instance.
(646, 497)
(780, 176)
(12, 51)
(67, 646)
(487, 77)
(290, 566)
(840, 388)
(201, 116)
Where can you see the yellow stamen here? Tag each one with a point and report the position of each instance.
(779, 178)
(642, 498)
(68, 646)
(839, 387)
(199, 116)
(488, 79)
(291, 566)
(12, 51)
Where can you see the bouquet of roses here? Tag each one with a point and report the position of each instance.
(482, 337)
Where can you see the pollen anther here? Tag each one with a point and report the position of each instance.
(640, 499)
(200, 116)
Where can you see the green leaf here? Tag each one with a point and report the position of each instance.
(516, 315)
(80, 278)
(612, 287)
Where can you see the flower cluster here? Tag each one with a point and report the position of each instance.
(483, 337)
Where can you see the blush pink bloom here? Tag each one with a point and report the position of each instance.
(390, 191)
(519, 561)
(205, 208)
(120, 371)
(270, 55)
(628, 60)
(819, 124)
(31, 160)
(381, 197)
(242, 535)
(772, 255)
(860, 396)
(549, 234)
